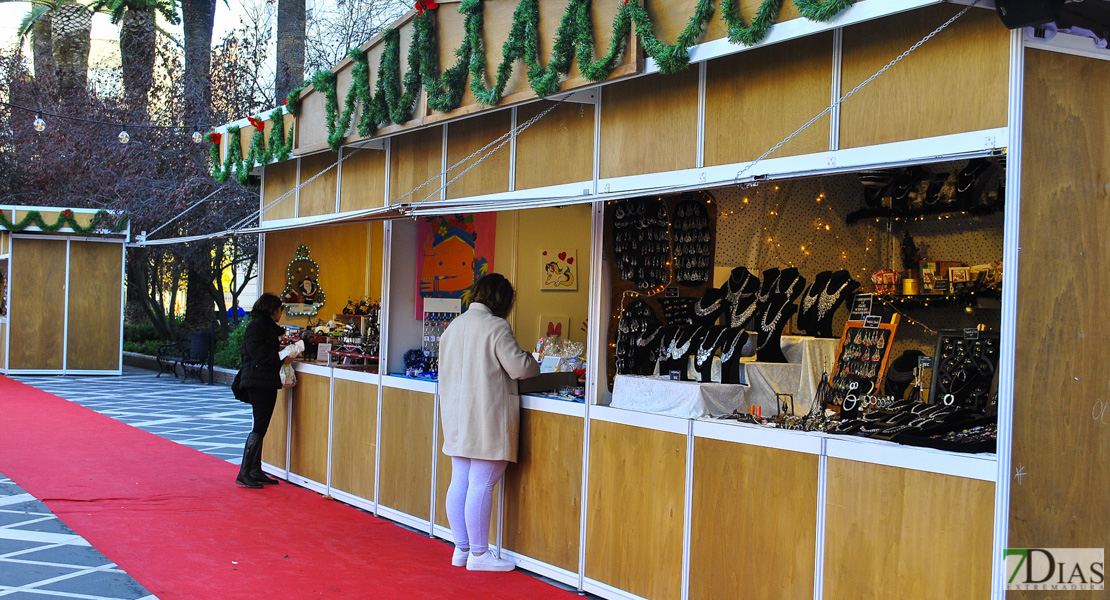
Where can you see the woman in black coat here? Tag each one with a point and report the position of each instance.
(260, 379)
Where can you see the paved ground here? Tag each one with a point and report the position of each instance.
(40, 557)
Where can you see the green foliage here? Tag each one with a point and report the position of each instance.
(140, 332)
(66, 218)
(228, 351)
(147, 347)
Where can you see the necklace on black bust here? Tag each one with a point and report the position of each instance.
(704, 352)
(768, 329)
(739, 320)
(827, 300)
(677, 351)
(727, 354)
(733, 292)
(702, 311)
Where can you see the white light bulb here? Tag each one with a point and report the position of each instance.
(124, 137)
(39, 124)
(197, 137)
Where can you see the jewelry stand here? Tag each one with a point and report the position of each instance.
(646, 351)
(740, 293)
(790, 283)
(709, 308)
(770, 331)
(666, 342)
(686, 344)
(732, 343)
(807, 314)
(703, 358)
(768, 287)
(842, 287)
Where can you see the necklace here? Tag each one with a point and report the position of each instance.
(703, 352)
(727, 354)
(790, 290)
(701, 312)
(809, 299)
(737, 321)
(642, 341)
(769, 328)
(731, 296)
(677, 351)
(828, 300)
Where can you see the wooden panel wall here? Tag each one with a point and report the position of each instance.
(955, 82)
(343, 253)
(565, 135)
(37, 311)
(276, 442)
(318, 197)
(308, 456)
(755, 99)
(1061, 412)
(469, 135)
(354, 437)
(406, 451)
(635, 509)
(649, 124)
(414, 157)
(363, 184)
(312, 130)
(897, 533)
(95, 285)
(279, 179)
(754, 525)
(543, 490)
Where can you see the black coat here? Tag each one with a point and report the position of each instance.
(261, 361)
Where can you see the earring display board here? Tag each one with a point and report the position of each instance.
(861, 359)
(964, 369)
(641, 240)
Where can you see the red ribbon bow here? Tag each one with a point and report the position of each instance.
(214, 138)
(67, 213)
(258, 124)
(422, 5)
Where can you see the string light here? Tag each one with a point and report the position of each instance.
(197, 137)
(39, 124)
(124, 137)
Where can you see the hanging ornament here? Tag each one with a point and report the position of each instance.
(39, 123)
(197, 137)
(124, 137)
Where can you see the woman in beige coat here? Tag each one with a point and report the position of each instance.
(479, 363)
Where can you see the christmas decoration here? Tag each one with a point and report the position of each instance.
(261, 151)
(124, 137)
(197, 137)
(99, 222)
(39, 124)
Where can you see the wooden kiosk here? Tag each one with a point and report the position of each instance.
(628, 504)
(63, 298)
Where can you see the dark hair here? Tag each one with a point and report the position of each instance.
(266, 304)
(495, 292)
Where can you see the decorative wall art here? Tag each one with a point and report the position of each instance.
(560, 272)
(303, 295)
(455, 251)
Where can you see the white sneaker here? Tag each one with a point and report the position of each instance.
(488, 562)
(458, 557)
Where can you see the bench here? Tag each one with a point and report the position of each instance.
(191, 354)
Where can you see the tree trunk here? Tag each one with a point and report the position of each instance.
(41, 49)
(199, 308)
(137, 49)
(70, 31)
(197, 18)
(290, 47)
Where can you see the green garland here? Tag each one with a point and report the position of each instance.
(261, 152)
(393, 99)
(99, 222)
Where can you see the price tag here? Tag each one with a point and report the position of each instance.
(861, 306)
(924, 362)
(971, 333)
(940, 285)
(322, 352)
(676, 375)
(671, 292)
(872, 321)
(549, 364)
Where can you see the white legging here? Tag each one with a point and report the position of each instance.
(469, 499)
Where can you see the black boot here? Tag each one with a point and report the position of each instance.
(252, 448)
(256, 471)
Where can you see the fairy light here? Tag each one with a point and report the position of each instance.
(39, 124)
(124, 137)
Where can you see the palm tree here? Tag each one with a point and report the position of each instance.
(137, 41)
(36, 26)
(198, 17)
(70, 42)
(290, 47)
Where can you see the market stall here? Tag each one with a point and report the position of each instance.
(840, 304)
(61, 291)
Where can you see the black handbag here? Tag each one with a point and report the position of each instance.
(237, 390)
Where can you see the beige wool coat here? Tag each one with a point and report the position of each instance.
(479, 363)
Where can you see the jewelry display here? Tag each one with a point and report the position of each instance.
(679, 349)
(861, 360)
(709, 308)
(707, 349)
(678, 311)
(776, 314)
(641, 242)
(807, 309)
(965, 369)
(791, 283)
(820, 305)
(732, 344)
(637, 332)
(693, 257)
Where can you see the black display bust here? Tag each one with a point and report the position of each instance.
(740, 293)
(732, 349)
(777, 313)
(791, 283)
(707, 349)
(709, 308)
(768, 287)
(840, 287)
(807, 313)
(645, 347)
(685, 345)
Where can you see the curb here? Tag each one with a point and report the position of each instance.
(222, 376)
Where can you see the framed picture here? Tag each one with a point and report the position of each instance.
(958, 274)
(560, 271)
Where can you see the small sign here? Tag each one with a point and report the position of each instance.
(322, 352)
(861, 306)
(924, 362)
(872, 321)
(971, 333)
(549, 364)
(940, 285)
(676, 375)
(671, 292)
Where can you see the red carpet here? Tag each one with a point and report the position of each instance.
(173, 519)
